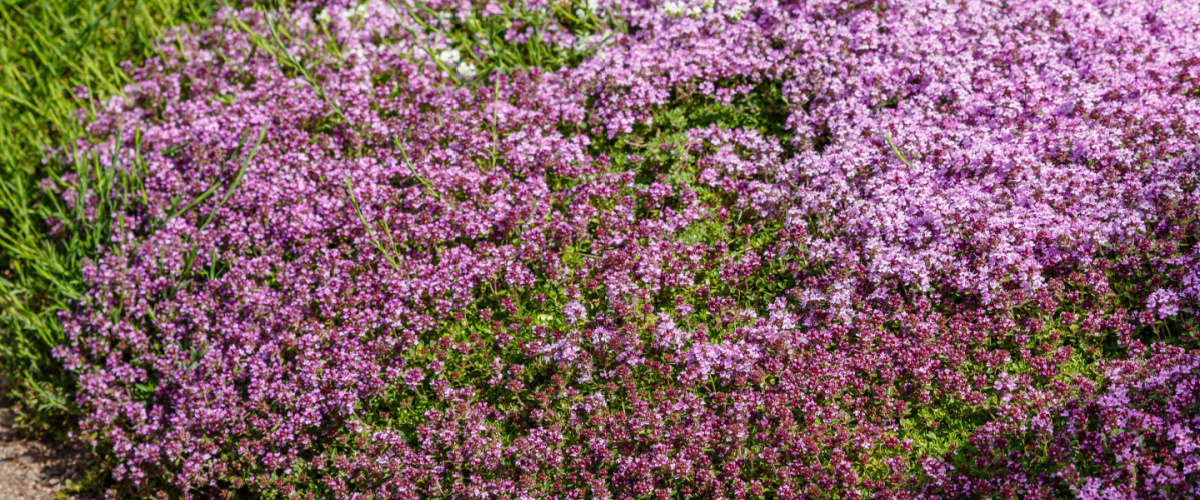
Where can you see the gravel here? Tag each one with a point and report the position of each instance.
(30, 468)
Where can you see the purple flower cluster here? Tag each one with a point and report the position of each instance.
(1136, 439)
(962, 264)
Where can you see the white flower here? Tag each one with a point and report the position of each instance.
(588, 7)
(466, 69)
(450, 56)
(355, 51)
(358, 11)
(582, 42)
(323, 17)
(672, 8)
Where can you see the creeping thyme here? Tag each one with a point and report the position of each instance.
(742, 249)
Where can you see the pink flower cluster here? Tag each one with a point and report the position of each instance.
(963, 263)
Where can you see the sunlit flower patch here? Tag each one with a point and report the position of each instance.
(743, 249)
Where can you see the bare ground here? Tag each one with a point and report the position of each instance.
(33, 469)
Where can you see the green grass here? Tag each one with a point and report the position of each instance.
(47, 48)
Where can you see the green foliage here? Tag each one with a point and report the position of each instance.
(51, 46)
(515, 37)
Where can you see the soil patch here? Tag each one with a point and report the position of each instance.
(31, 468)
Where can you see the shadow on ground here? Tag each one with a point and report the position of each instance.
(32, 468)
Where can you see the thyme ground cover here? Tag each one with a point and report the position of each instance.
(648, 250)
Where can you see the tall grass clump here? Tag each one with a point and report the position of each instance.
(628, 249)
(53, 50)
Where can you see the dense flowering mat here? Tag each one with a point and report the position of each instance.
(734, 249)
